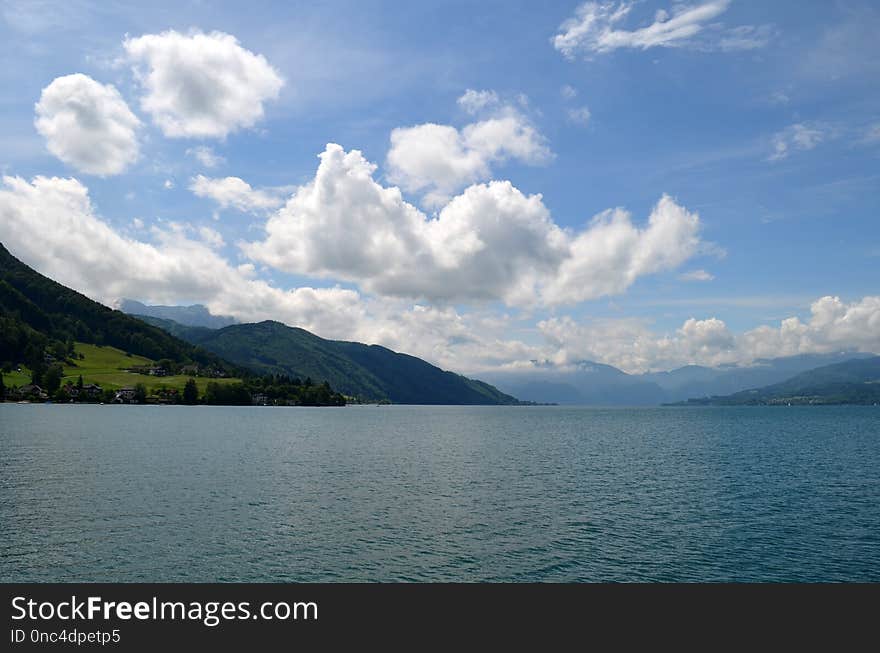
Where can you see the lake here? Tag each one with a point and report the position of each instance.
(412, 493)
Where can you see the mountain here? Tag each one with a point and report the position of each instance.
(38, 314)
(589, 383)
(851, 382)
(192, 334)
(697, 381)
(195, 315)
(370, 372)
(586, 383)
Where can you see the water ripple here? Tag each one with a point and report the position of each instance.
(413, 494)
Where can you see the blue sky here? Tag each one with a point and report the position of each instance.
(760, 121)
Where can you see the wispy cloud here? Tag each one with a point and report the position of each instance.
(580, 116)
(800, 136)
(597, 28)
(872, 134)
(696, 275)
(206, 156)
(475, 101)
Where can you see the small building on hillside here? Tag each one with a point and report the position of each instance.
(31, 392)
(92, 391)
(71, 390)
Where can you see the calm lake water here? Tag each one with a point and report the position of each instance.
(398, 493)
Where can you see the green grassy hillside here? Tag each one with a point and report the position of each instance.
(106, 366)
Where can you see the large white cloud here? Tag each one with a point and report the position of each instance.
(87, 125)
(596, 28)
(438, 160)
(234, 192)
(491, 242)
(608, 256)
(201, 85)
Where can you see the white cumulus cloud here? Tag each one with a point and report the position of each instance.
(475, 101)
(200, 85)
(438, 160)
(612, 252)
(88, 125)
(234, 192)
(491, 242)
(833, 325)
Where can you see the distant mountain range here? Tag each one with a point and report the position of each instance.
(370, 372)
(195, 315)
(588, 383)
(851, 382)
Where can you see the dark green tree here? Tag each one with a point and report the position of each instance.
(140, 393)
(233, 394)
(58, 350)
(190, 392)
(2, 388)
(52, 379)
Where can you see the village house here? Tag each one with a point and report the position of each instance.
(92, 390)
(167, 396)
(71, 390)
(31, 392)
